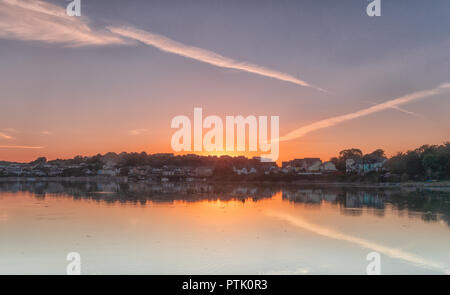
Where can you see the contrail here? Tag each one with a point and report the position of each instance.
(41, 21)
(405, 111)
(171, 46)
(364, 112)
(333, 234)
(34, 20)
(399, 109)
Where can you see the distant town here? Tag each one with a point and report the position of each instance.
(429, 162)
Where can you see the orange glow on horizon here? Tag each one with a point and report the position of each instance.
(288, 150)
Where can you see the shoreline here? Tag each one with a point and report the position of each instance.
(124, 179)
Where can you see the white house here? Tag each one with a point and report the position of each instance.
(314, 165)
(328, 167)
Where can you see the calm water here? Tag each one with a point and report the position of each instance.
(221, 229)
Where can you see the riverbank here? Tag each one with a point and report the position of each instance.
(124, 179)
(118, 179)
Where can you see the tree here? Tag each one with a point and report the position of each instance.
(77, 160)
(335, 161)
(414, 166)
(378, 153)
(397, 164)
(39, 161)
(430, 161)
(352, 153)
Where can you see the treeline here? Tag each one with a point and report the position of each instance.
(158, 160)
(426, 162)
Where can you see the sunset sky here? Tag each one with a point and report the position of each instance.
(113, 79)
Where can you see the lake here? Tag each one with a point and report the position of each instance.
(201, 228)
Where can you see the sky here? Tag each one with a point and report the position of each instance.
(113, 78)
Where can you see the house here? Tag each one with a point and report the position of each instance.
(139, 171)
(156, 171)
(240, 171)
(203, 171)
(313, 164)
(365, 165)
(303, 165)
(168, 172)
(286, 170)
(354, 165)
(374, 166)
(106, 171)
(328, 167)
(14, 170)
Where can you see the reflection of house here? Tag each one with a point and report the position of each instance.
(314, 196)
(360, 199)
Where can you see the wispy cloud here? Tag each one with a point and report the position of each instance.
(5, 136)
(41, 21)
(364, 112)
(20, 147)
(46, 22)
(203, 55)
(402, 110)
(46, 132)
(138, 131)
(405, 111)
(333, 234)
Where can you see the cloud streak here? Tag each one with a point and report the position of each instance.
(35, 20)
(45, 22)
(20, 147)
(5, 136)
(400, 110)
(391, 104)
(203, 55)
(333, 234)
(138, 131)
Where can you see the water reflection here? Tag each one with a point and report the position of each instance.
(429, 205)
(220, 228)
